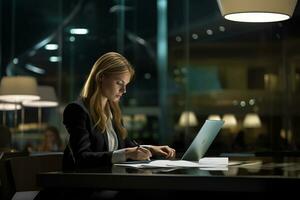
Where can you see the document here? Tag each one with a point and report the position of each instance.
(207, 162)
(214, 160)
(151, 164)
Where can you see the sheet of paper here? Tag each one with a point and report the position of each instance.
(160, 164)
(223, 168)
(129, 165)
(183, 163)
(214, 160)
(208, 162)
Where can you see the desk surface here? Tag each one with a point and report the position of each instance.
(253, 174)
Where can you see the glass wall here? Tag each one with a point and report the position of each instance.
(187, 59)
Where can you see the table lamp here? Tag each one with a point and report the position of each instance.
(252, 120)
(229, 121)
(188, 118)
(214, 117)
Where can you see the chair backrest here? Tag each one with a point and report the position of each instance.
(7, 187)
(5, 137)
(25, 169)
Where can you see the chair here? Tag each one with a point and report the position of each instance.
(6, 191)
(21, 174)
(5, 137)
(5, 178)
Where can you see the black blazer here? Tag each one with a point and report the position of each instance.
(87, 147)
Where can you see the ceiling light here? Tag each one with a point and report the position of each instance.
(79, 31)
(35, 69)
(51, 46)
(54, 59)
(257, 10)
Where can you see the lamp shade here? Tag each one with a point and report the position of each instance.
(214, 117)
(48, 98)
(257, 10)
(18, 89)
(252, 120)
(9, 106)
(229, 120)
(188, 118)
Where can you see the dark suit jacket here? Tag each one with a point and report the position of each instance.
(87, 148)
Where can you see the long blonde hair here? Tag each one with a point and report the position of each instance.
(109, 63)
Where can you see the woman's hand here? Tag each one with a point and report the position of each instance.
(165, 151)
(137, 153)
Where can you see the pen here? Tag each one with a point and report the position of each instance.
(136, 144)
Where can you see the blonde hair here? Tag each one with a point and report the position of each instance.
(107, 64)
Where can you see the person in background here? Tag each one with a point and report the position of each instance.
(51, 141)
(97, 136)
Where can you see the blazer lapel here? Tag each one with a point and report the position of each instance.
(105, 139)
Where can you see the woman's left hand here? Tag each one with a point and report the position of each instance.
(165, 151)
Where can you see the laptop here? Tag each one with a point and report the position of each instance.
(203, 140)
(195, 152)
(200, 143)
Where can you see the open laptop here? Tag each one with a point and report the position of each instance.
(199, 145)
(195, 152)
(203, 140)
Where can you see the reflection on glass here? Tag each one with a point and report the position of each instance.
(252, 120)
(188, 119)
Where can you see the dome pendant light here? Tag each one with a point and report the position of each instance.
(257, 10)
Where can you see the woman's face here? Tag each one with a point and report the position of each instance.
(50, 136)
(114, 86)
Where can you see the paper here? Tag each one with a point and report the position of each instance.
(129, 165)
(220, 168)
(208, 162)
(175, 163)
(214, 160)
(152, 164)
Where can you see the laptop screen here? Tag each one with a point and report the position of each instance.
(203, 140)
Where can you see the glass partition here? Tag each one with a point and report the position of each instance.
(186, 56)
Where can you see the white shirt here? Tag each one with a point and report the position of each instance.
(118, 155)
(111, 136)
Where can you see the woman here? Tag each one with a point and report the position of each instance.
(97, 137)
(52, 141)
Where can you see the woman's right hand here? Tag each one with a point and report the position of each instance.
(137, 153)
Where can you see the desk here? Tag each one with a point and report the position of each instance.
(255, 174)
